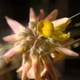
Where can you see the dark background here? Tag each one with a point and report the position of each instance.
(19, 10)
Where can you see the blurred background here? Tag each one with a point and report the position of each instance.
(19, 10)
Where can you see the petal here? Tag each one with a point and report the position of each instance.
(66, 51)
(35, 67)
(41, 15)
(13, 52)
(14, 25)
(52, 16)
(32, 16)
(12, 38)
(60, 36)
(24, 69)
(61, 24)
(38, 67)
(49, 66)
(31, 73)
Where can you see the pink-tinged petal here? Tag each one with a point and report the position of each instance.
(32, 16)
(12, 38)
(66, 51)
(24, 69)
(53, 15)
(14, 25)
(39, 68)
(13, 52)
(31, 74)
(35, 67)
(49, 66)
(41, 15)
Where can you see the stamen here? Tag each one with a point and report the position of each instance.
(75, 15)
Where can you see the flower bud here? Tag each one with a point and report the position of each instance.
(60, 36)
(24, 69)
(13, 52)
(35, 67)
(12, 38)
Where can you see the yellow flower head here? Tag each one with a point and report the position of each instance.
(46, 28)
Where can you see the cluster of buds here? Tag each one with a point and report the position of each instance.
(40, 44)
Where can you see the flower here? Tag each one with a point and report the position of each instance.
(47, 29)
(38, 43)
